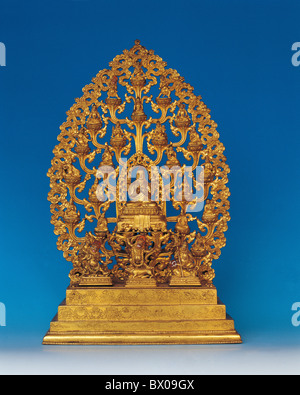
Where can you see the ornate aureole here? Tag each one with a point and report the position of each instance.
(143, 111)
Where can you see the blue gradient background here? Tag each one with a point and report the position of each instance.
(237, 55)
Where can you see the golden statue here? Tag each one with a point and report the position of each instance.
(195, 143)
(141, 274)
(113, 87)
(94, 121)
(138, 112)
(138, 77)
(164, 98)
(160, 137)
(185, 260)
(107, 156)
(172, 156)
(118, 138)
(182, 119)
(182, 225)
(140, 191)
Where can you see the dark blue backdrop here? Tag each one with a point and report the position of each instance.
(237, 55)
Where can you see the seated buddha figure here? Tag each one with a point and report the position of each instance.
(107, 156)
(118, 139)
(139, 190)
(138, 111)
(195, 143)
(160, 137)
(172, 156)
(94, 122)
(182, 119)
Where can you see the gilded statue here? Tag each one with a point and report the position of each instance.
(172, 156)
(160, 137)
(94, 121)
(142, 271)
(165, 90)
(113, 87)
(195, 143)
(182, 119)
(138, 78)
(182, 225)
(175, 111)
(138, 111)
(107, 156)
(118, 139)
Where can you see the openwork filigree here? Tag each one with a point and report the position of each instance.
(140, 110)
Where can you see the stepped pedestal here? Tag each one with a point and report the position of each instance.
(123, 315)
